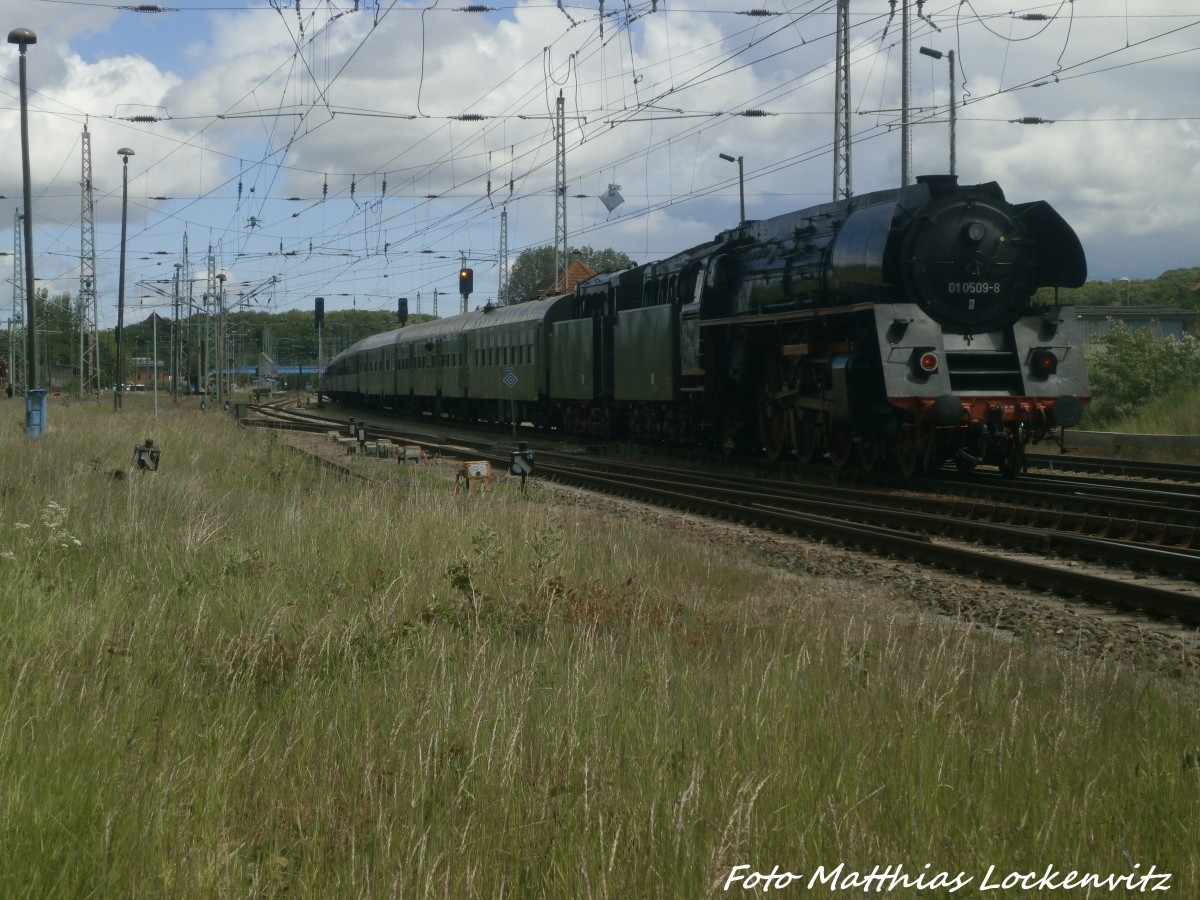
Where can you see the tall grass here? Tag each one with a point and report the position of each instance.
(1177, 413)
(244, 676)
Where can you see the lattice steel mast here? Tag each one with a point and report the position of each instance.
(560, 198)
(502, 289)
(212, 330)
(841, 106)
(88, 307)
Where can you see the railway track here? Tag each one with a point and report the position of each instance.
(1069, 462)
(1110, 544)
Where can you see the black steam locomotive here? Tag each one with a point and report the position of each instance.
(895, 326)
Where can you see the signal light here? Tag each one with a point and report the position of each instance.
(318, 310)
(466, 281)
(1044, 362)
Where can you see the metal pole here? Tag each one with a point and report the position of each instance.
(950, 55)
(176, 338)
(741, 185)
(220, 340)
(741, 191)
(124, 153)
(905, 131)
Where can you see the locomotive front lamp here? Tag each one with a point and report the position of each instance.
(925, 361)
(1045, 362)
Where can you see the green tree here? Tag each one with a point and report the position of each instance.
(1130, 366)
(1175, 287)
(537, 263)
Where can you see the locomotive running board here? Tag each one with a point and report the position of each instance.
(798, 315)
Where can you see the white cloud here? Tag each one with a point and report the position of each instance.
(286, 111)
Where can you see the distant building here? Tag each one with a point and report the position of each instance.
(1164, 320)
(147, 370)
(577, 271)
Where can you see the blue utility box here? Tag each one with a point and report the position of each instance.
(35, 412)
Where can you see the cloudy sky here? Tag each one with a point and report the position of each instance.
(358, 150)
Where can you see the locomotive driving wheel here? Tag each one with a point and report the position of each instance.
(840, 442)
(870, 452)
(910, 450)
(806, 436)
(772, 413)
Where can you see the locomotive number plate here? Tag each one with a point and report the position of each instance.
(973, 287)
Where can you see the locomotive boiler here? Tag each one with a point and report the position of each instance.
(896, 326)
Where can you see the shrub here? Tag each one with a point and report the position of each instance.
(1130, 366)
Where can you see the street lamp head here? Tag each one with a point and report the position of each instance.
(221, 277)
(22, 36)
(125, 153)
(727, 157)
(936, 54)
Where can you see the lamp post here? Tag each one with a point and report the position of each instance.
(937, 54)
(220, 340)
(124, 153)
(35, 402)
(741, 184)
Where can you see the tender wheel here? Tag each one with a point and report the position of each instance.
(806, 437)
(840, 443)
(772, 414)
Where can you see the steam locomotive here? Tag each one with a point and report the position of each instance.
(893, 327)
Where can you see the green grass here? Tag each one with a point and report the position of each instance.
(1178, 413)
(245, 676)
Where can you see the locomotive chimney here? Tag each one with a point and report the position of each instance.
(939, 185)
